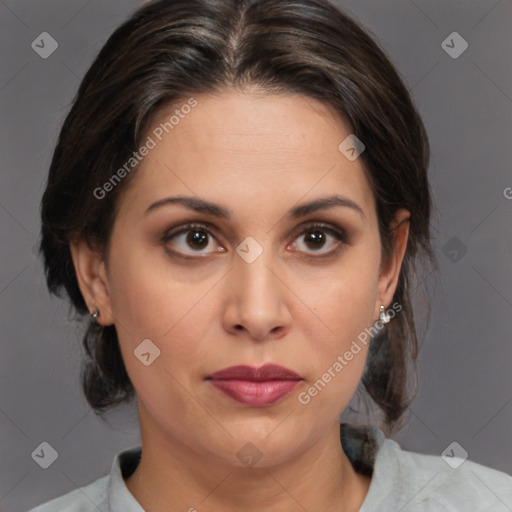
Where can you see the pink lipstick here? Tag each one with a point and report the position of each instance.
(257, 387)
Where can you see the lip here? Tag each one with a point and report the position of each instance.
(263, 373)
(257, 387)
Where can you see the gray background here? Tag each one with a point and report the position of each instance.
(465, 382)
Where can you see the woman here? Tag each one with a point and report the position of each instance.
(238, 198)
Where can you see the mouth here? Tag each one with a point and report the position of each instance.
(257, 387)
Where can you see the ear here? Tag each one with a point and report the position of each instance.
(91, 273)
(390, 266)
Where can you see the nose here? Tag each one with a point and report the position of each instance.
(256, 305)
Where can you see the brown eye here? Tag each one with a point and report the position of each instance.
(190, 239)
(197, 239)
(315, 239)
(316, 236)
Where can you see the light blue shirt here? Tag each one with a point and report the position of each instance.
(400, 480)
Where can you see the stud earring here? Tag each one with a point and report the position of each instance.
(384, 317)
(95, 314)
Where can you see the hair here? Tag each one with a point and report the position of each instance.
(169, 50)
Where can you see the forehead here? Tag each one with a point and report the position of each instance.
(262, 123)
(246, 149)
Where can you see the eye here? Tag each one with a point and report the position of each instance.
(315, 237)
(199, 238)
(194, 236)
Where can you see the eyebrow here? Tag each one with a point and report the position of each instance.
(217, 210)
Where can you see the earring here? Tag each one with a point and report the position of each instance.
(384, 317)
(95, 314)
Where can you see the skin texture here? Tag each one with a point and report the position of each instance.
(258, 155)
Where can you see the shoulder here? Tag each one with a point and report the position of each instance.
(108, 493)
(84, 499)
(431, 482)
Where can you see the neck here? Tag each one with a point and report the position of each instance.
(172, 477)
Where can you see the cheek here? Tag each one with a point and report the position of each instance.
(343, 307)
(345, 298)
(145, 304)
(151, 299)
(148, 294)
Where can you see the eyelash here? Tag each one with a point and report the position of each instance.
(337, 234)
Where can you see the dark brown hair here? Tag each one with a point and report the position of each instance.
(169, 50)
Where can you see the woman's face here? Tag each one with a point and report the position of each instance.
(257, 285)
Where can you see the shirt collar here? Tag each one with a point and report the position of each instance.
(119, 497)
